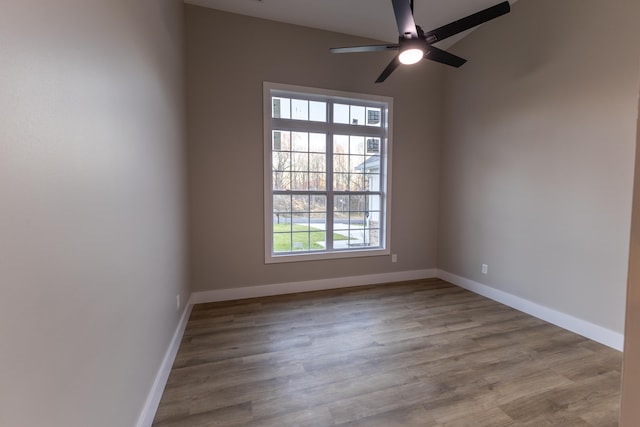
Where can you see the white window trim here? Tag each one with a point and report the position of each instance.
(271, 258)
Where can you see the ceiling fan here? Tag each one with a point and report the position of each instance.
(414, 44)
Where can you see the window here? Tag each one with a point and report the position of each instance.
(327, 157)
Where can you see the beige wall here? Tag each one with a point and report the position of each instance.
(91, 216)
(538, 156)
(228, 58)
(630, 412)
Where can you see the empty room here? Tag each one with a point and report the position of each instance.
(329, 213)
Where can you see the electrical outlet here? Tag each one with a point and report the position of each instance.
(178, 302)
(485, 268)
(394, 258)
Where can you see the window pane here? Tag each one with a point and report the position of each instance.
(356, 145)
(317, 182)
(280, 108)
(356, 182)
(373, 145)
(282, 241)
(281, 161)
(300, 241)
(341, 238)
(277, 141)
(318, 204)
(281, 140)
(317, 142)
(374, 202)
(372, 164)
(300, 109)
(341, 181)
(299, 181)
(372, 237)
(340, 144)
(318, 239)
(342, 234)
(317, 162)
(281, 203)
(357, 115)
(300, 162)
(341, 113)
(281, 180)
(317, 111)
(340, 164)
(356, 220)
(318, 236)
(300, 203)
(374, 117)
(356, 163)
(300, 141)
(357, 202)
(341, 203)
(372, 182)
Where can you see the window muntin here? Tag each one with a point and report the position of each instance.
(326, 174)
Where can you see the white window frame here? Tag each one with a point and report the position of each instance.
(385, 158)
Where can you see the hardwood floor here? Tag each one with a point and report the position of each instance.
(420, 353)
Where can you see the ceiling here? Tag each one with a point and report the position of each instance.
(366, 18)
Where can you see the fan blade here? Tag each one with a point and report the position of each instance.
(404, 19)
(371, 48)
(444, 57)
(390, 68)
(468, 22)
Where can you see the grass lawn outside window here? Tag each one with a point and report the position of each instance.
(289, 237)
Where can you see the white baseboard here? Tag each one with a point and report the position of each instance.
(155, 394)
(579, 326)
(307, 286)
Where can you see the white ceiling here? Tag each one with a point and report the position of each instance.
(367, 18)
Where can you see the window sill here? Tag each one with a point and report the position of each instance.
(319, 256)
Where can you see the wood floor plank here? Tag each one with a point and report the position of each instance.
(381, 401)
(411, 416)
(331, 392)
(417, 353)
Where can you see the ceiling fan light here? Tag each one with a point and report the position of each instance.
(411, 56)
